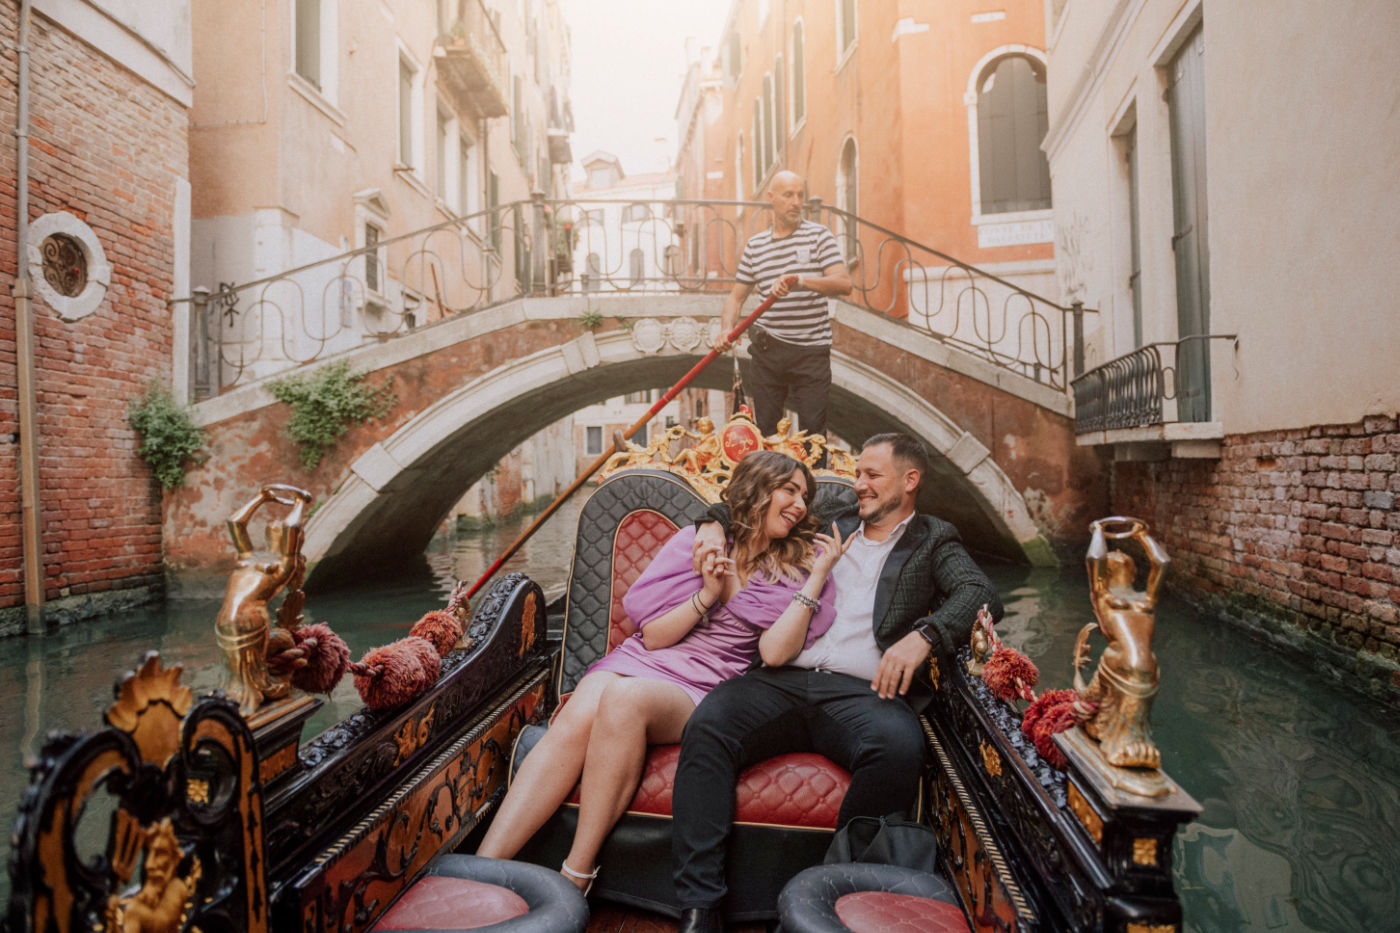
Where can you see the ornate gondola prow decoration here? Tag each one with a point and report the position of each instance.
(709, 456)
(181, 779)
(1116, 703)
(244, 623)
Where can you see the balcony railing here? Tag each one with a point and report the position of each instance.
(472, 60)
(546, 247)
(1137, 389)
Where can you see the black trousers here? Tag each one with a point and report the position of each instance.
(784, 375)
(772, 711)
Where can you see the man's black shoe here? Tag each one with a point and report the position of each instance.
(701, 920)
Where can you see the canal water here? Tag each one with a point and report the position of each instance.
(1297, 777)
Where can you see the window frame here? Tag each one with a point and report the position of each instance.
(409, 111)
(797, 76)
(1044, 216)
(846, 45)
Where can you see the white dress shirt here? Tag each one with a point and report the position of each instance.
(849, 645)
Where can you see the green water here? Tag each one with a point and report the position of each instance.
(1296, 775)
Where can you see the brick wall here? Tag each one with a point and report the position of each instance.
(1293, 533)
(109, 149)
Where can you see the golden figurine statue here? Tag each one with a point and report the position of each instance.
(697, 458)
(1126, 679)
(160, 905)
(243, 625)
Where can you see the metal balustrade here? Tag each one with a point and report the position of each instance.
(1132, 391)
(542, 247)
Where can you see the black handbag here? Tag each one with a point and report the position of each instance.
(885, 840)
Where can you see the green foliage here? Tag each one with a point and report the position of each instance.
(324, 404)
(625, 324)
(591, 319)
(169, 436)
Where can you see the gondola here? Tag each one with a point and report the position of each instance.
(184, 813)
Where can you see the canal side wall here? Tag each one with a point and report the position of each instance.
(1292, 534)
(108, 162)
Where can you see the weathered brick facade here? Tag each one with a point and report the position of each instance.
(1293, 533)
(110, 149)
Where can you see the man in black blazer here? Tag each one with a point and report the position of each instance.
(906, 590)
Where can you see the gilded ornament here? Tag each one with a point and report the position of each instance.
(162, 903)
(1144, 851)
(1118, 698)
(935, 673)
(1085, 813)
(197, 791)
(243, 625)
(991, 760)
(149, 706)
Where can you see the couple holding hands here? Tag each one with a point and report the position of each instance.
(759, 634)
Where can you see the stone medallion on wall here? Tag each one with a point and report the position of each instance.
(68, 265)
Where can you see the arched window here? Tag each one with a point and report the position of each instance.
(799, 78)
(1013, 173)
(847, 190)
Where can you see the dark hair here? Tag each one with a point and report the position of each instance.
(907, 450)
(748, 495)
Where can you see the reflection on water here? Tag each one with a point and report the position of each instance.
(1296, 776)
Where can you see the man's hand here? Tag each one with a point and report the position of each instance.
(898, 664)
(708, 537)
(783, 286)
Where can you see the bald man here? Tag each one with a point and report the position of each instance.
(792, 354)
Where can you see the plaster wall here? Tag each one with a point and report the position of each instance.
(1303, 250)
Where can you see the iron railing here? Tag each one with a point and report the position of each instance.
(1133, 390)
(543, 247)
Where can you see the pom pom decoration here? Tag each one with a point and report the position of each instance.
(1010, 674)
(393, 674)
(441, 628)
(326, 655)
(1052, 712)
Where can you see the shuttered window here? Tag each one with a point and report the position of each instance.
(1011, 123)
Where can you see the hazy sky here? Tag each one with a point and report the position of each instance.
(629, 58)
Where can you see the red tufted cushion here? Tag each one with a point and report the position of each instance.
(439, 903)
(639, 536)
(883, 912)
(801, 789)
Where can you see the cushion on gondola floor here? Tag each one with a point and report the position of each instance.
(466, 892)
(868, 898)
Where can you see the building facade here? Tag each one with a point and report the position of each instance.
(108, 91)
(922, 117)
(353, 123)
(1226, 178)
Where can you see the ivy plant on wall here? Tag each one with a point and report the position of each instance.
(169, 436)
(325, 403)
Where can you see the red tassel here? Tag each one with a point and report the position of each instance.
(1010, 674)
(441, 628)
(393, 674)
(327, 658)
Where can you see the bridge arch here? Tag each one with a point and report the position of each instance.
(398, 490)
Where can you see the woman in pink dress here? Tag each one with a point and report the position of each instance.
(769, 593)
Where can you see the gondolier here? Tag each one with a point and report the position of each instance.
(792, 353)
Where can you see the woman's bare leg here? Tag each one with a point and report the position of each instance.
(633, 712)
(548, 774)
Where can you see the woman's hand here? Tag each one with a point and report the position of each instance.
(830, 549)
(717, 571)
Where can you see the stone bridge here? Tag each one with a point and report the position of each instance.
(472, 387)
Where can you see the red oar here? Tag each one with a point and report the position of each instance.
(603, 457)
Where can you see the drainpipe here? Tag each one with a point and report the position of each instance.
(24, 353)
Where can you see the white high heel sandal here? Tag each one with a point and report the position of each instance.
(581, 876)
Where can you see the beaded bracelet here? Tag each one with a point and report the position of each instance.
(809, 602)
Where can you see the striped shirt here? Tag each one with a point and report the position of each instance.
(801, 316)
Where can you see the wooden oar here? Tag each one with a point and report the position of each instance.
(619, 444)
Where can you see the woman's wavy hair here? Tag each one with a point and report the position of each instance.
(748, 495)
